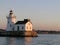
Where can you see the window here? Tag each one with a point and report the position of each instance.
(29, 23)
(30, 27)
(27, 27)
(17, 28)
(10, 25)
(13, 28)
(8, 21)
(22, 27)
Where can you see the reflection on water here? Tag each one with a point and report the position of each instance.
(28, 40)
(10, 41)
(18, 41)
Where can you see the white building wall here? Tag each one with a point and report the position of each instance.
(9, 25)
(21, 27)
(28, 26)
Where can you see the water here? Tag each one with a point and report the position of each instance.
(43, 39)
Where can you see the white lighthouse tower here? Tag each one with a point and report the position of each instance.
(11, 20)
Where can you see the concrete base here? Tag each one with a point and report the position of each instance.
(19, 33)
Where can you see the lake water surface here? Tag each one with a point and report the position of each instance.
(42, 39)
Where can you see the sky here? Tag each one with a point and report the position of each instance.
(44, 14)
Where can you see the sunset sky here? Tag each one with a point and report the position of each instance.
(44, 14)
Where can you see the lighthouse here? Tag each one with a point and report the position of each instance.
(13, 25)
(11, 20)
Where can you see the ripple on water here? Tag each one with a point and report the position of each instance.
(42, 39)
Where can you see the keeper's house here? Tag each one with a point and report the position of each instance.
(12, 25)
(25, 25)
